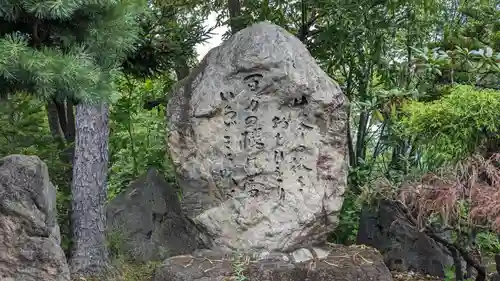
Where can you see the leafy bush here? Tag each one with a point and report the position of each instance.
(488, 242)
(455, 126)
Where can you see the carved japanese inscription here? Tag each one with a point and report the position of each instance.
(256, 134)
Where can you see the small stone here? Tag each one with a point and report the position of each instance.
(321, 253)
(263, 255)
(302, 255)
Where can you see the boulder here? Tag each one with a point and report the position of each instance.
(403, 246)
(257, 133)
(338, 263)
(146, 223)
(29, 234)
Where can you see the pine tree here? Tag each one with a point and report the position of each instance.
(72, 50)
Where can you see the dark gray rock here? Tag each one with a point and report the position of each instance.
(257, 133)
(403, 246)
(29, 233)
(147, 222)
(340, 263)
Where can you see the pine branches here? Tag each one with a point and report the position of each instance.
(47, 71)
(12, 10)
(70, 47)
(51, 9)
(112, 34)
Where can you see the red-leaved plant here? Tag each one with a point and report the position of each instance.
(475, 182)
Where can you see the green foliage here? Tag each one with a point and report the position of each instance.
(459, 65)
(478, 26)
(449, 274)
(137, 139)
(488, 242)
(169, 32)
(347, 229)
(115, 240)
(239, 267)
(19, 60)
(456, 125)
(75, 52)
(20, 118)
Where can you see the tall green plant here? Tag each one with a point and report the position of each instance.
(137, 140)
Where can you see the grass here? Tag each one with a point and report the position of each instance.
(126, 271)
(239, 266)
(121, 268)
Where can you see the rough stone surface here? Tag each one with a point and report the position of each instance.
(147, 220)
(342, 264)
(29, 233)
(257, 133)
(404, 248)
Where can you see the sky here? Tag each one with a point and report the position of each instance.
(202, 49)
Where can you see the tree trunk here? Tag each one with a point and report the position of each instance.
(69, 134)
(364, 118)
(234, 8)
(54, 125)
(181, 69)
(89, 256)
(61, 113)
(457, 262)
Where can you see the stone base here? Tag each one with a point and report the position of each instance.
(331, 263)
(29, 234)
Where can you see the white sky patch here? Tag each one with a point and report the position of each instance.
(216, 40)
